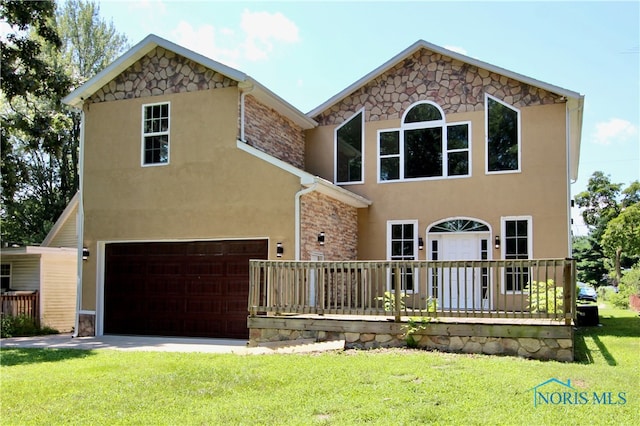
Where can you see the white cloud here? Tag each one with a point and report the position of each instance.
(457, 49)
(204, 41)
(258, 36)
(616, 129)
(262, 30)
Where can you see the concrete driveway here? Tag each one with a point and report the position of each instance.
(166, 344)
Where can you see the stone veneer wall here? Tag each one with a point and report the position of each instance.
(161, 72)
(535, 341)
(425, 75)
(86, 325)
(338, 221)
(272, 133)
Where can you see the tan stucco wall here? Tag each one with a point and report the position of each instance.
(210, 189)
(539, 190)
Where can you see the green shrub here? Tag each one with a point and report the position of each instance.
(22, 325)
(389, 300)
(629, 284)
(541, 297)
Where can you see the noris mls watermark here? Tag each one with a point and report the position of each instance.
(557, 392)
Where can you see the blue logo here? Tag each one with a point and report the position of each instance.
(557, 392)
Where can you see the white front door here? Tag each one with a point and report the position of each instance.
(461, 288)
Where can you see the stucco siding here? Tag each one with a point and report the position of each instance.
(210, 190)
(539, 190)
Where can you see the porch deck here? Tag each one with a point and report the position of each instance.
(520, 307)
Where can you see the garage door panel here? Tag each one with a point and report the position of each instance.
(206, 266)
(182, 289)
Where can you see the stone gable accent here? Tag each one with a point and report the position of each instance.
(454, 85)
(268, 131)
(161, 72)
(338, 221)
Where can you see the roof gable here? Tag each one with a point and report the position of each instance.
(457, 82)
(164, 51)
(64, 232)
(461, 62)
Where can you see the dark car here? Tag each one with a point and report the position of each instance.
(587, 293)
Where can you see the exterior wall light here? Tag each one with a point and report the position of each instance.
(279, 250)
(85, 253)
(321, 238)
(420, 243)
(497, 241)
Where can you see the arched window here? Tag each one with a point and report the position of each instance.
(424, 146)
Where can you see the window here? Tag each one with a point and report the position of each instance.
(155, 134)
(5, 276)
(349, 150)
(517, 245)
(402, 245)
(424, 147)
(503, 136)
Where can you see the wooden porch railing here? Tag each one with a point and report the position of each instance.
(18, 303)
(532, 288)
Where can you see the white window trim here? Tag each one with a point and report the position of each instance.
(503, 246)
(486, 136)
(444, 149)
(168, 133)
(335, 149)
(416, 277)
(10, 273)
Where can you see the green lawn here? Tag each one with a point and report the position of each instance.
(378, 387)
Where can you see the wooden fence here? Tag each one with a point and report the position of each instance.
(21, 303)
(531, 288)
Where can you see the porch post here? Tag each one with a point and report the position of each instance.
(398, 294)
(568, 291)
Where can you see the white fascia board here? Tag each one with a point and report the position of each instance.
(575, 108)
(38, 250)
(77, 97)
(421, 44)
(307, 179)
(280, 105)
(338, 193)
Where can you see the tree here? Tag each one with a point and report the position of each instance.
(602, 202)
(589, 257)
(23, 69)
(622, 235)
(40, 135)
(599, 201)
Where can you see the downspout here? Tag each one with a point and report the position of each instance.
(243, 93)
(298, 217)
(569, 180)
(80, 225)
(569, 196)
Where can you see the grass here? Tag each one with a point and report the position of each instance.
(40, 386)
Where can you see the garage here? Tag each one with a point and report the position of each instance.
(194, 289)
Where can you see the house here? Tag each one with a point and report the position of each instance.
(41, 281)
(191, 168)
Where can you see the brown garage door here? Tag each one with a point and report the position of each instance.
(197, 289)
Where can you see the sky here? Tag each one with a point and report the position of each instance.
(308, 51)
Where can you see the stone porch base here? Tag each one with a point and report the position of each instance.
(536, 339)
